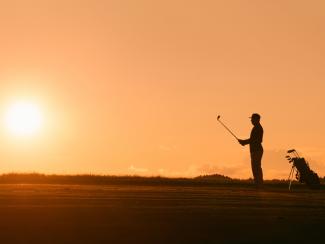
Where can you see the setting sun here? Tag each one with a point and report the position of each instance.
(23, 118)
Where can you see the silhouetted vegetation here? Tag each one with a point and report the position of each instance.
(214, 177)
(204, 180)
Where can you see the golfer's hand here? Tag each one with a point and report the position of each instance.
(241, 142)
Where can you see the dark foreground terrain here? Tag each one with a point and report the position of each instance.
(31, 213)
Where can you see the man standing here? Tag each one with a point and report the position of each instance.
(256, 149)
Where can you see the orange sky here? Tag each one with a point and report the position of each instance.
(133, 87)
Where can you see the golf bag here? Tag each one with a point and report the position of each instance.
(303, 172)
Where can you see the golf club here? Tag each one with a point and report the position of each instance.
(218, 118)
(294, 152)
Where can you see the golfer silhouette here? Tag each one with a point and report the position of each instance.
(256, 148)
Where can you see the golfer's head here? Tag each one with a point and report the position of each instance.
(255, 118)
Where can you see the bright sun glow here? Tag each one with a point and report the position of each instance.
(23, 118)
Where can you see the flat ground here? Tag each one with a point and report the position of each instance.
(160, 214)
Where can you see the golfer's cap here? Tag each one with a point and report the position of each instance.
(257, 116)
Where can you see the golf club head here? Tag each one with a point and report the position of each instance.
(288, 156)
(218, 117)
(291, 150)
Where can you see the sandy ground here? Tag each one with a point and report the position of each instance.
(159, 214)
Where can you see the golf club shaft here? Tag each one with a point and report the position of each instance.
(228, 129)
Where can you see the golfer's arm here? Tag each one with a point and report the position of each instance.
(247, 141)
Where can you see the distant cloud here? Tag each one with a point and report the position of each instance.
(161, 171)
(205, 169)
(235, 170)
(138, 170)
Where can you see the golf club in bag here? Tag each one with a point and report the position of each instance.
(218, 118)
(303, 172)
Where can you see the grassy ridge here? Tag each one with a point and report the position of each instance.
(207, 180)
(35, 178)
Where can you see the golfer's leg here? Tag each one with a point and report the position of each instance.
(254, 168)
(259, 171)
(256, 159)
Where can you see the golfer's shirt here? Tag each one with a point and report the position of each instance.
(256, 139)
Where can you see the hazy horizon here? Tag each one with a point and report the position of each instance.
(134, 87)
